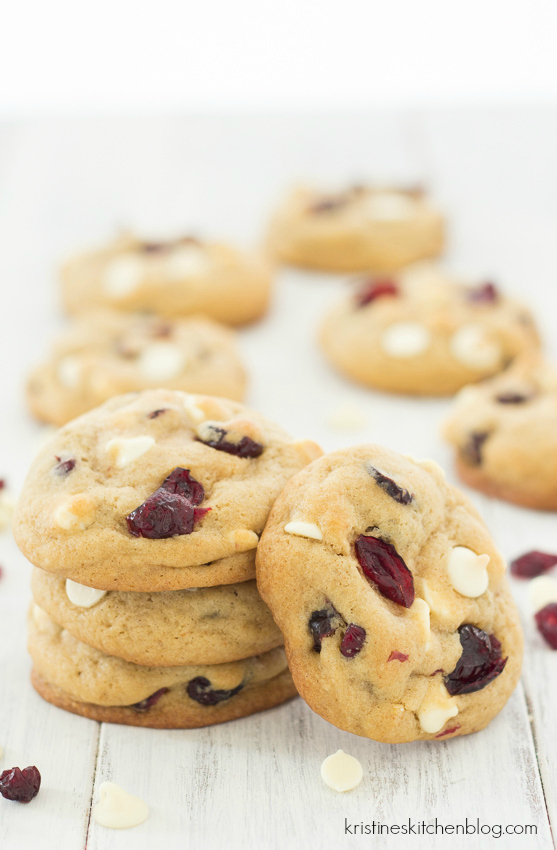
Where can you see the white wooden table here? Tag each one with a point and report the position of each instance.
(255, 782)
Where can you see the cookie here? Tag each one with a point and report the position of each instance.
(423, 332)
(106, 353)
(504, 432)
(359, 229)
(142, 492)
(177, 277)
(392, 598)
(83, 680)
(211, 625)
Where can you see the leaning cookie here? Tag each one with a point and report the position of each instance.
(210, 625)
(391, 596)
(423, 332)
(504, 432)
(359, 229)
(107, 353)
(83, 680)
(156, 491)
(177, 277)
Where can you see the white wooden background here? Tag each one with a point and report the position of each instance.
(255, 782)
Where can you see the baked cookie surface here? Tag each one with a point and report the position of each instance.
(505, 435)
(359, 229)
(145, 491)
(211, 625)
(107, 353)
(178, 277)
(81, 679)
(392, 598)
(423, 332)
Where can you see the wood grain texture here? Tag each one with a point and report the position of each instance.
(255, 782)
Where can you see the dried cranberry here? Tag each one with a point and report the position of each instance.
(479, 664)
(246, 448)
(472, 451)
(512, 398)
(2, 483)
(156, 413)
(448, 731)
(383, 565)
(181, 483)
(403, 497)
(63, 467)
(376, 288)
(532, 564)
(149, 702)
(397, 656)
(487, 293)
(321, 625)
(200, 690)
(546, 621)
(328, 204)
(353, 640)
(20, 785)
(154, 247)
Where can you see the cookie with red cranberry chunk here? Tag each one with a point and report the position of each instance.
(78, 678)
(423, 332)
(392, 598)
(154, 491)
(504, 432)
(361, 228)
(107, 353)
(210, 625)
(176, 277)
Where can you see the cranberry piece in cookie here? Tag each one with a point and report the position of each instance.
(322, 624)
(149, 702)
(487, 293)
(546, 621)
(20, 785)
(480, 663)
(182, 483)
(201, 691)
(64, 467)
(171, 510)
(532, 564)
(230, 439)
(374, 289)
(353, 640)
(512, 398)
(382, 564)
(399, 494)
(472, 451)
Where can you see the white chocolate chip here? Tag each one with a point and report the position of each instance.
(43, 621)
(471, 346)
(117, 809)
(68, 372)
(436, 709)
(390, 206)
(75, 514)
(161, 361)
(304, 529)
(347, 417)
(434, 600)
(123, 275)
(405, 339)
(187, 261)
(422, 610)
(194, 412)
(468, 571)
(341, 772)
(243, 539)
(541, 592)
(124, 450)
(83, 596)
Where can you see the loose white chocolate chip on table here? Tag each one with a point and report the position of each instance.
(541, 592)
(405, 339)
(83, 596)
(187, 261)
(69, 372)
(341, 772)
(117, 809)
(472, 347)
(161, 361)
(347, 417)
(468, 571)
(123, 275)
(436, 709)
(304, 529)
(124, 450)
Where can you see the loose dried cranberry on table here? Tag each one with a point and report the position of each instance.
(245, 448)
(403, 497)
(149, 702)
(532, 564)
(382, 564)
(479, 664)
(487, 293)
(472, 451)
(201, 691)
(64, 467)
(171, 510)
(20, 785)
(321, 625)
(353, 640)
(376, 288)
(546, 621)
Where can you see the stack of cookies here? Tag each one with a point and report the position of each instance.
(142, 518)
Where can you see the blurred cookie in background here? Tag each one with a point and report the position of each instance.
(107, 353)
